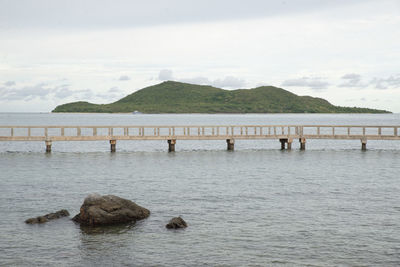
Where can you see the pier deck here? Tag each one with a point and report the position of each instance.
(284, 133)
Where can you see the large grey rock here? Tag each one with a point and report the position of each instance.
(176, 223)
(109, 209)
(48, 217)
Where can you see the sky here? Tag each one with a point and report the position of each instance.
(53, 52)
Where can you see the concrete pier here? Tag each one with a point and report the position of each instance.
(284, 133)
(363, 145)
(48, 146)
(302, 143)
(171, 145)
(230, 144)
(113, 145)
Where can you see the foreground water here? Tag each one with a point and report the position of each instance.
(329, 205)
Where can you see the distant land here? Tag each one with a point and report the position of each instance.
(177, 97)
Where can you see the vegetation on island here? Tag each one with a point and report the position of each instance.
(177, 97)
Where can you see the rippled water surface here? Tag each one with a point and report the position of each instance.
(329, 205)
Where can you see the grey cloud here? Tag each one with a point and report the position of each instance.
(26, 93)
(9, 83)
(314, 83)
(63, 93)
(352, 80)
(165, 75)
(351, 76)
(390, 82)
(43, 91)
(124, 78)
(114, 90)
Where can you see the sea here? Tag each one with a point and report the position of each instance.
(330, 205)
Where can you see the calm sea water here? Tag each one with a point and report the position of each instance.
(329, 205)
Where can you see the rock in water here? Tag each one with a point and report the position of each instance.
(176, 223)
(109, 209)
(48, 217)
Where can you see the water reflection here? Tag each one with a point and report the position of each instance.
(106, 230)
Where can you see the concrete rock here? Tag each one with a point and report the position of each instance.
(176, 223)
(109, 209)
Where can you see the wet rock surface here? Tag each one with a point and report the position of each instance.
(176, 223)
(48, 217)
(109, 209)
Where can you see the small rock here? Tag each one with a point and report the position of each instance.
(48, 217)
(176, 223)
(56, 215)
(109, 209)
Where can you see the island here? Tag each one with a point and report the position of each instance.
(178, 97)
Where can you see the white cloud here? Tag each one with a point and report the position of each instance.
(165, 75)
(229, 82)
(197, 80)
(314, 83)
(131, 13)
(112, 94)
(250, 41)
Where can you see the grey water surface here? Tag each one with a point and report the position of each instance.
(332, 204)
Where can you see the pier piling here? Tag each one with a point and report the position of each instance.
(283, 143)
(230, 144)
(171, 145)
(302, 143)
(289, 144)
(113, 144)
(363, 145)
(48, 146)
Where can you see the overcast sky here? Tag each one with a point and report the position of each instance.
(53, 52)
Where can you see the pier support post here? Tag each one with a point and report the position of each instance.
(230, 144)
(113, 145)
(363, 145)
(289, 144)
(283, 142)
(48, 146)
(171, 145)
(302, 143)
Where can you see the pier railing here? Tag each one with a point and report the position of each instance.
(87, 133)
(285, 133)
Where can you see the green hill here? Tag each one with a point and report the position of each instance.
(177, 97)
